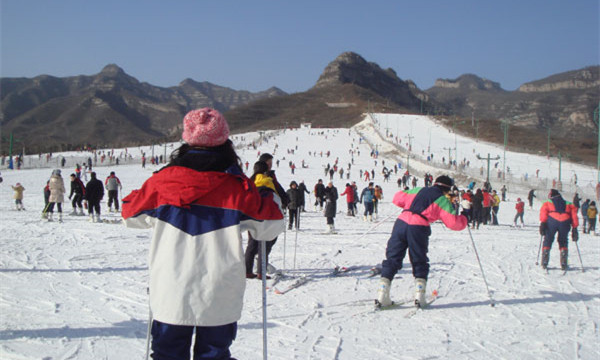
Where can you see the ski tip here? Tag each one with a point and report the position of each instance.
(434, 293)
(276, 291)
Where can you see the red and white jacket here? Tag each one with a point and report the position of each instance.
(196, 260)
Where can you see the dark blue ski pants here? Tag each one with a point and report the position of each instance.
(173, 342)
(560, 227)
(415, 238)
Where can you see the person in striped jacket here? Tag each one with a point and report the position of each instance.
(411, 232)
(557, 216)
(198, 206)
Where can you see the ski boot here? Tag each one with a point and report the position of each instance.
(420, 286)
(98, 220)
(49, 217)
(81, 212)
(545, 258)
(383, 293)
(370, 218)
(91, 218)
(60, 217)
(73, 213)
(564, 255)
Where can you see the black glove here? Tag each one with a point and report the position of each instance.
(574, 234)
(543, 228)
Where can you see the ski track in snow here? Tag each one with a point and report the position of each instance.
(77, 290)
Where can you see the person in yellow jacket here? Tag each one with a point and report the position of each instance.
(592, 213)
(18, 188)
(495, 207)
(264, 183)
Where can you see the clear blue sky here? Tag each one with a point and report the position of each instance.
(253, 45)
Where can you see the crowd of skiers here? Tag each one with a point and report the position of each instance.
(201, 202)
(81, 195)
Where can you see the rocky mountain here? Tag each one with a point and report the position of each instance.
(110, 108)
(563, 102)
(348, 87)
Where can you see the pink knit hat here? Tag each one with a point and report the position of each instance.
(205, 127)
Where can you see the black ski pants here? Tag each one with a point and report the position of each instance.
(113, 195)
(76, 201)
(252, 250)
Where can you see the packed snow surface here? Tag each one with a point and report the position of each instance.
(77, 290)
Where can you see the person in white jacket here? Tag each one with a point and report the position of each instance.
(57, 194)
(198, 206)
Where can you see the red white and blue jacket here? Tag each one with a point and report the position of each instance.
(196, 260)
(560, 210)
(423, 206)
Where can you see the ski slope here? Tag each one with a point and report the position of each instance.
(77, 290)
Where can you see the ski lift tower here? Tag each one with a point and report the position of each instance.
(488, 158)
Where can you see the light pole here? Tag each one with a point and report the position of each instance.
(597, 122)
(504, 126)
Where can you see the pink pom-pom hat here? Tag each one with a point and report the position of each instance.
(205, 127)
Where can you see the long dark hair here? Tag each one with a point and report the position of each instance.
(217, 158)
(260, 167)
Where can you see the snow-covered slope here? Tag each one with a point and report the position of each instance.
(77, 290)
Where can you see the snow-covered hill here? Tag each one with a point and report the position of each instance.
(77, 290)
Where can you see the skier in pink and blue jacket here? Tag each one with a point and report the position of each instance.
(411, 232)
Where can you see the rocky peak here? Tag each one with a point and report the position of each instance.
(112, 70)
(586, 78)
(351, 68)
(468, 82)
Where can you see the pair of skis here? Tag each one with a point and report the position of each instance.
(395, 305)
(340, 270)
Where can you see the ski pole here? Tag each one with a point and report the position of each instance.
(537, 261)
(263, 252)
(579, 253)
(481, 268)
(296, 241)
(374, 226)
(149, 329)
(284, 238)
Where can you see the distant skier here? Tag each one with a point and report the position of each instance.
(557, 216)
(302, 190)
(293, 205)
(113, 185)
(367, 197)
(18, 189)
(94, 192)
(584, 216)
(349, 193)
(592, 213)
(411, 232)
(530, 197)
(477, 214)
(57, 192)
(77, 194)
(520, 207)
(331, 196)
(319, 191)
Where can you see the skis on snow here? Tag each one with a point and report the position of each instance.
(299, 282)
(396, 305)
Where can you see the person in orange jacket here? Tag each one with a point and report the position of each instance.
(557, 216)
